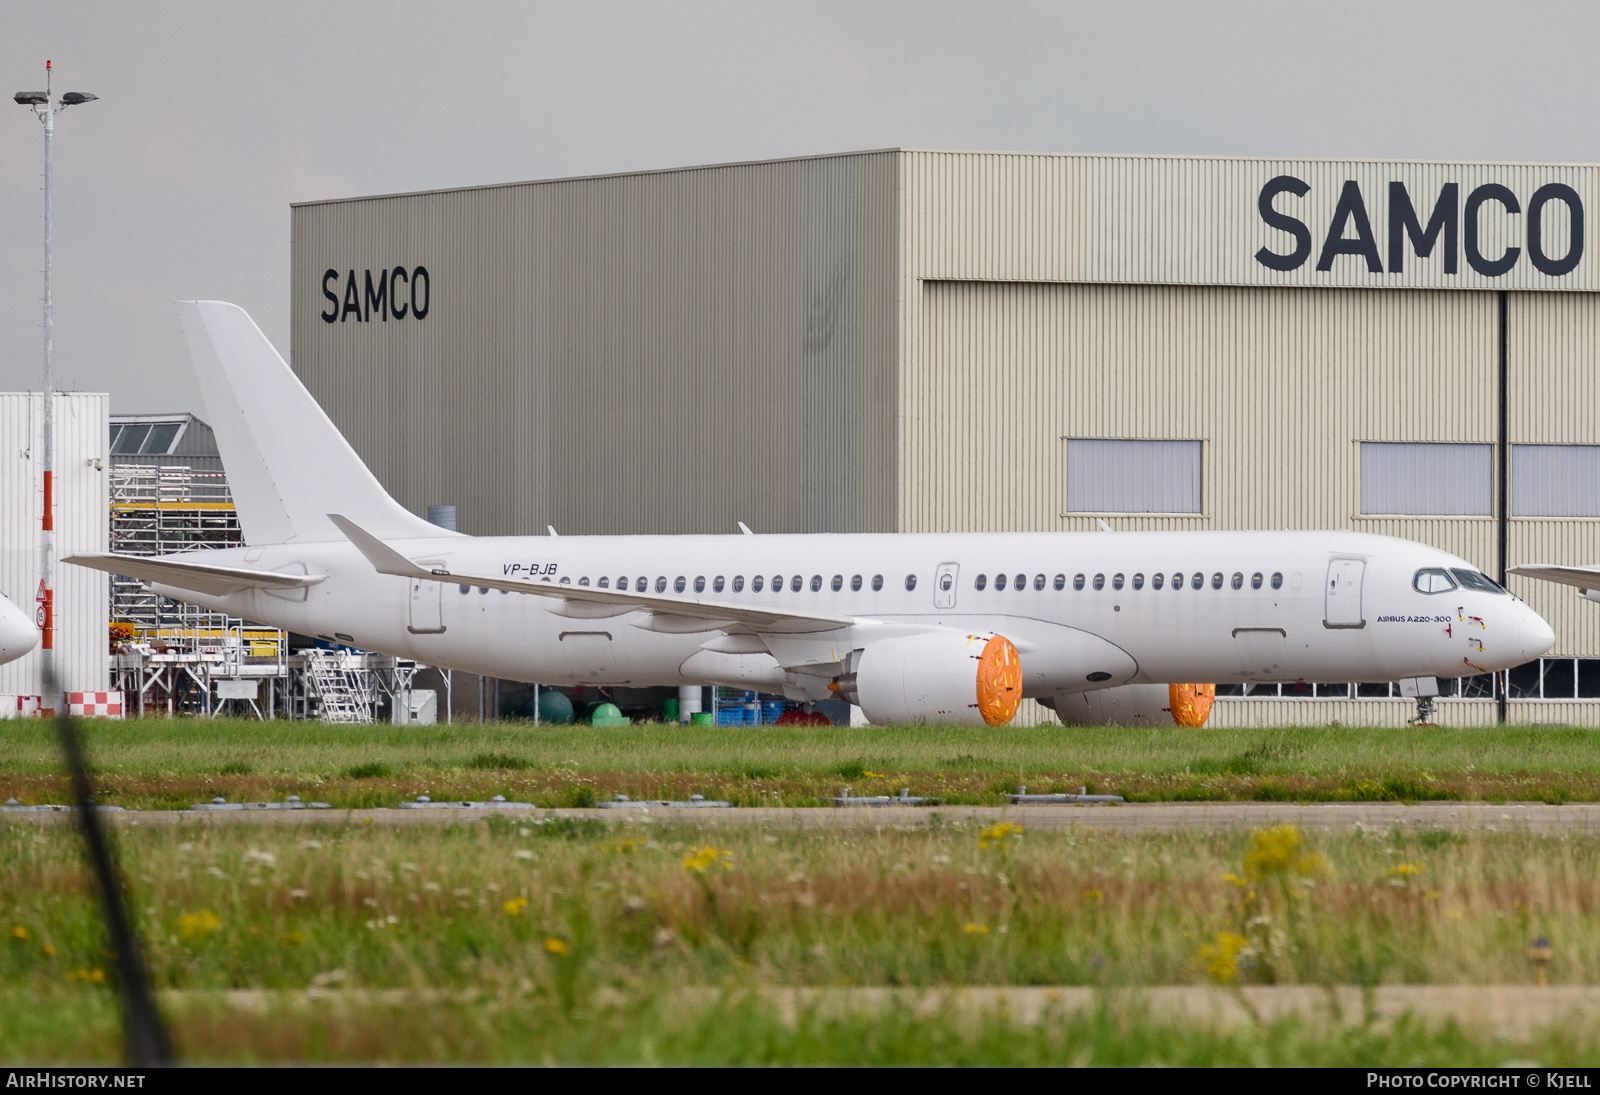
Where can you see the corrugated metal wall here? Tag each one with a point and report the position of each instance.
(664, 352)
(82, 524)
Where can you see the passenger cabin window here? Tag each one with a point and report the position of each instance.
(1077, 582)
(1038, 581)
(1277, 579)
(465, 589)
(1255, 580)
(584, 580)
(661, 584)
(680, 584)
(1138, 581)
(1020, 581)
(945, 582)
(980, 581)
(777, 583)
(855, 583)
(1238, 580)
(566, 580)
(911, 582)
(816, 583)
(877, 582)
(1433, 580)
(1473, 580)
(1116, 581)
(1216, 580)
(796, 582)
(738, 583)
(1099, 582)
(1157, 581)
(1060, 583)
(1177, 581)
(757, 583)
(700, 584)
(1000, 582)
(717, 584)
(1199, 581)
(838, 582)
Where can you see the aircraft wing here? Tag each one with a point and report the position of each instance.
(593, 603)
(1582, 577)
(216, 581)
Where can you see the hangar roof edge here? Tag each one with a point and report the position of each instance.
(928, 151)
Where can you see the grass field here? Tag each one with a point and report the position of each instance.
(173, 762)
(575, 940)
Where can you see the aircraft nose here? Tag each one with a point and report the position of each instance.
(1534, 635)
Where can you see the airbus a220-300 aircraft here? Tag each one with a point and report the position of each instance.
(954, 628)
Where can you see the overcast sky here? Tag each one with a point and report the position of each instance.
(214, 117)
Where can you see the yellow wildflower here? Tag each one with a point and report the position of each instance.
(1235, 879)
(95, 976)
(874, 775)
(1001, 834)
(1093, 895)
(1277, 853)
(1405, 870)
(294, 938)
(515, 906)
(699, 859)
(196, 924)
(19, 932)
(624, 847)
(1220, 959)
(49, 950)
(976, 929)
(555, 946)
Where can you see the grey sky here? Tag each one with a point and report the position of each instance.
(214, 117)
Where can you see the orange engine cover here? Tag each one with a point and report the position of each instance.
(1191, 703)
(999, 681)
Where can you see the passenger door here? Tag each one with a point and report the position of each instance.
(1342, 601)
(427, 614)
(944, 585)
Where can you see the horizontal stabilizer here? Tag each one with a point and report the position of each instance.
(1582, 577)
(200, 577)
(717, 616)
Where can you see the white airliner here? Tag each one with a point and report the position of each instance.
(953, 628)
(18, 635)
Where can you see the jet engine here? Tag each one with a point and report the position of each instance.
(939, 677)
(1138, 705)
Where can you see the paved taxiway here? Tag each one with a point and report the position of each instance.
(1132, 818)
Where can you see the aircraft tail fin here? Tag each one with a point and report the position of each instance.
(287, 464)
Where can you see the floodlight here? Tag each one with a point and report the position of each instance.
(32, 98)
(73, 98)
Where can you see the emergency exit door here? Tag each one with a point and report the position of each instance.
(427, 612)
(944, 585)
(1342, 594)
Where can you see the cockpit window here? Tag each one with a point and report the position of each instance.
(1473, 580)
(1432, 580)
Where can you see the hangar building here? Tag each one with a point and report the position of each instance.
(920, 340)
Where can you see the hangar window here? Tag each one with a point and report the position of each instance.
(1216, 580)
(680, 584)
(877, 582)
(838, 583)
(1277, 579)
(1116, 581)
(1117, 476)
(797, 581)
(1060, 583)
(1432, 580)
(1255, 580)
(1555, 480)
(757, 583)
(1099, 582)
(816, 582)
(1138, 581)
(1157, 580)
(738, 583)
(911, 582)
(661, 584)
(1238, 580)
(980, 581)
(717, 584)
(1000, 581)
(700, 584)
(855, 583)
(1446, 480)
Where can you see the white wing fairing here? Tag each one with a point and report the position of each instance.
(913, 628)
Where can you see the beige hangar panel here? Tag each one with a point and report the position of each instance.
(666, 352)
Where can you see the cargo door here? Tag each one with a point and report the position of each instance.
(590, 657)
(944, 585)
(1263, 653)
(427, 607)
(1342, 594)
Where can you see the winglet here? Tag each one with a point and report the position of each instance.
(384, 559)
